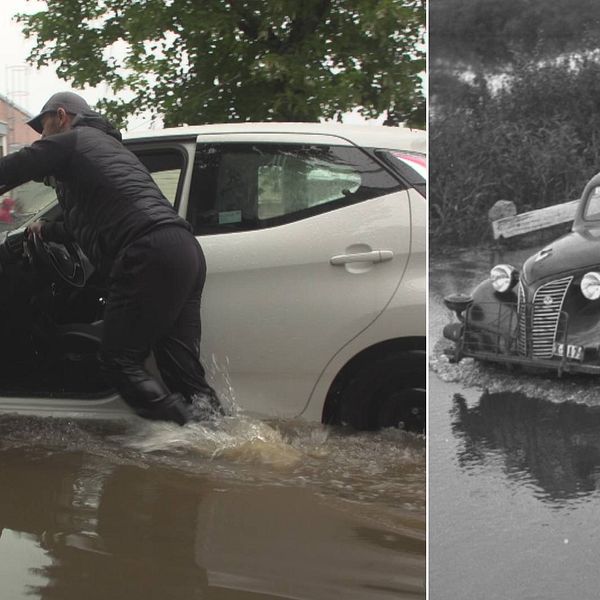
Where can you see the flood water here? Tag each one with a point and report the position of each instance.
(514, 465)
(230, 510)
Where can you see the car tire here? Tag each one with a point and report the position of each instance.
(389, 392)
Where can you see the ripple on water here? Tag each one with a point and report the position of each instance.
(388, 464)
(384, 467)
(495, 377)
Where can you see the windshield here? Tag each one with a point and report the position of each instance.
(592, 205)
(22, 203)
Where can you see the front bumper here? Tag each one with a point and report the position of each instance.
(492, 332)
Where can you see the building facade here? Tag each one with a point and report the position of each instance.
(14, 131)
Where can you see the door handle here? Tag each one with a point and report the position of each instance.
(374, 256)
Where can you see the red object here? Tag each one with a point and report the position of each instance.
(7, 210)
(415, 161)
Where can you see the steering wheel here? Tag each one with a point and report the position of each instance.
(67, 261)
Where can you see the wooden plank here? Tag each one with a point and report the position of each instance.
(533, 220)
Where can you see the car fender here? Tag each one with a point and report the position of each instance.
(404, 318)
(372, 336)
(584, 323)
(490, 318)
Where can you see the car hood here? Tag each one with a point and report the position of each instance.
(573, 252)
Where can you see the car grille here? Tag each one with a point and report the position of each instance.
(522, 323)
(542, 316)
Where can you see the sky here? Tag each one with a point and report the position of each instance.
(30, 87)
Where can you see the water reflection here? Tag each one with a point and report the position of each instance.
(126, 529)
(122, 524)
(554, 446)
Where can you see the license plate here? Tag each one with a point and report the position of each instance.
(574, 352)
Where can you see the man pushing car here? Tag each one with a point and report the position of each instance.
(154, 265)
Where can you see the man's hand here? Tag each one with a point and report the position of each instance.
(35, 228)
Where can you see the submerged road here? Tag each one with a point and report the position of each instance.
(514, 467)
(238, 509)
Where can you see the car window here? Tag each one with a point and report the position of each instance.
(20, 204)
(592, 207)
(241, 186)
(166, 166)
(168, 181)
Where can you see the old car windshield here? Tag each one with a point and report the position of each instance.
(592, 206)
(22, 203)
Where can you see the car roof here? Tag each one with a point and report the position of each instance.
(369, 136)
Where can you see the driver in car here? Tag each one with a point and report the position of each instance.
(154, 266)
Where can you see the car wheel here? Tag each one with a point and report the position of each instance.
(389, 392)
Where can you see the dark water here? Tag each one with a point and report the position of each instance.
(237, 509)
(514, 465)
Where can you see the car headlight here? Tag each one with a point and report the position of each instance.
(590, 285)
(504, 277)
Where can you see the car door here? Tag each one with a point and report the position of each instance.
(306, 239)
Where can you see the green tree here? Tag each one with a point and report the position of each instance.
(489, 32)
(534, 141)
(198, 61)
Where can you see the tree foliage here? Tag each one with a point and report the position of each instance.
(490, 32)
(204, 61)
(515, 108)
(535, 141)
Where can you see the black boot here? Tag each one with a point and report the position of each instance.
(148, 397)
(167, 408)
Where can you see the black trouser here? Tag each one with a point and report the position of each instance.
(155, 287)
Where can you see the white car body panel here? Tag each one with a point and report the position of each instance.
(109, 408)
(394, 138)
(405, 316)
(274, 308)
(276, 314)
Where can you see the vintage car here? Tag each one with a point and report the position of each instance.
(545, 314)
(314, 304)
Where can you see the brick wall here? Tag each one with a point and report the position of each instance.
(19, 133)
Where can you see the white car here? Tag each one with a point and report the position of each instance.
(314, 304)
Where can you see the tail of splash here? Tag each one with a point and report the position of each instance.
(218, 375)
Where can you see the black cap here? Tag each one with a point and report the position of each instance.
(71, 102)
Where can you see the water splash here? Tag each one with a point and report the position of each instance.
(218, 375)
(385, 467)
(238, 438)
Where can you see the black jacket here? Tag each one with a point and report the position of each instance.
(107, 195)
